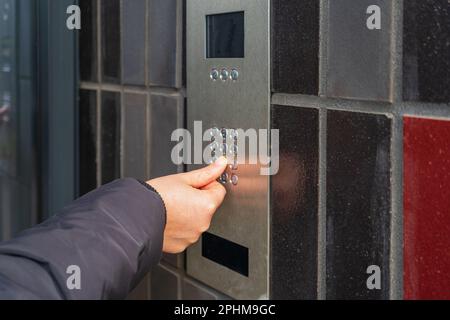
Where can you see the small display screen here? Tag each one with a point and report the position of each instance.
(225, 35)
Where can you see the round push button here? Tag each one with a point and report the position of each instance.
(214, 74)
(234, 75)
(224, 74)
(234, 180)
(224, 177)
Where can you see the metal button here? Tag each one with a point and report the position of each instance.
(234, 165)
(215, 133)
(234, 180)
(233, 134)
(214, 74)
(224, 149)
(231, 151)
(234, 74)
(224, 178)
(214, 146)
(224, 74)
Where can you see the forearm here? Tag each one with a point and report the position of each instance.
(114, 235)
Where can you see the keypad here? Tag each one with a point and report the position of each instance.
(225, 143)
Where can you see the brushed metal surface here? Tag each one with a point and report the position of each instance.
(244, 104)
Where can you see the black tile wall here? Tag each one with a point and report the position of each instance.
(135, 136)
(166, 115)
(294, 204)
(110, 136)
(88, 41)
(295, 46)
(358, 203)
(426, 50)
(195, 291)
(110, 27)
(164, 284)
(163, 43)
(175, 260)
(133, 42)
(359, 57)
(142, 291)
(87, 141)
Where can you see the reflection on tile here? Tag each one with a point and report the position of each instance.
(110, 135)
(426, 209)
(135, 134)
(142, 291)
(195, 291)
(295, 204)
(163, 43)
(111, 40)
(296, 46)
(165, 116)
(88, 141)
(133, 42)
(358, 204)
(164, 284)
(426, 75)
(175, 260)
(88, 40)
(359, 57)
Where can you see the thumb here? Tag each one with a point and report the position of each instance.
(202, 177)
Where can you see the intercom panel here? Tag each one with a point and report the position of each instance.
(228, 91)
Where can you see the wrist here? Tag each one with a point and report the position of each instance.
(149, 186)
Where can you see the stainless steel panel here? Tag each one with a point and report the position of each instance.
(244, 104)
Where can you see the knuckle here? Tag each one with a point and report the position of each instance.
(210, 206)
(194, 239)
(204, 227)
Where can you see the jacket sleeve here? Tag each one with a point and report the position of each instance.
(99, 247)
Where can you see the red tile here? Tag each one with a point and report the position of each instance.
(426, 208)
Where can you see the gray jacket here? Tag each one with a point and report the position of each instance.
(99, 247)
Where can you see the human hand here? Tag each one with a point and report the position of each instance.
(191, 200)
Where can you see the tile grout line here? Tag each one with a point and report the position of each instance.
(146, 45)
(132, 89)
(99, 94)
(323, 47)
(122, 96)
(432, 110)
(322, 196)
(322, 208)
(396, 223)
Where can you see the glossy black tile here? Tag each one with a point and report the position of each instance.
(358, 204)
(141, 291)
(164, 43)
(359, 49)
(133, 42)
(175, 260)
(88, 41)
(110, 28)
(426, 48)
(87, 141)
(294, 204)
(164, 284)
(135, 136)
(110, 136)
(195, 291)
(295, 46)
(166, 115)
